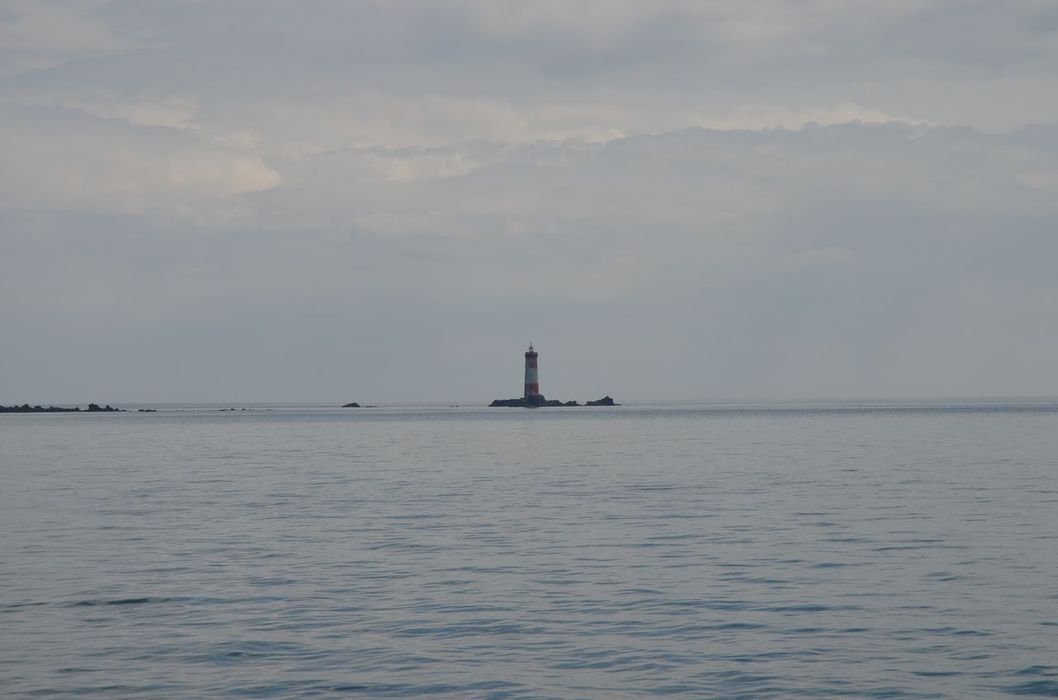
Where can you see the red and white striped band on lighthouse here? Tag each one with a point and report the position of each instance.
(532, 379)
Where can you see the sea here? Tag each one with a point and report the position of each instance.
(826, 549)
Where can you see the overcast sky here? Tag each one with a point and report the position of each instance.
(330, 200)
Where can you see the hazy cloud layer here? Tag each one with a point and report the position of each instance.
(386, 201)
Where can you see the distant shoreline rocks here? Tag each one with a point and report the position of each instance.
(351, 404)
(92, 408)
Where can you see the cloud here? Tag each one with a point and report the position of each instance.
(847, 259)
(42, 26)
(37, 35)
(172, 111)
(329, 74)
(783, 198)
(59, 159)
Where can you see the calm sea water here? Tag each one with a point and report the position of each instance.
(775, 550)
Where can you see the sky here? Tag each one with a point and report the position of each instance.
(373, 201)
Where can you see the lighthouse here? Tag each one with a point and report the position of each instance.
(532, 398)
(532, 379)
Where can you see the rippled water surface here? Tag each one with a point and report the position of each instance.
(843, 550)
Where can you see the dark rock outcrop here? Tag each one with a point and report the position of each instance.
(26, 408)
(510, 403)
(536, 401)
(352, 404)
(539, 401)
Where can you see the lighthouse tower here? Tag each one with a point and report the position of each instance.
(532, 380)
